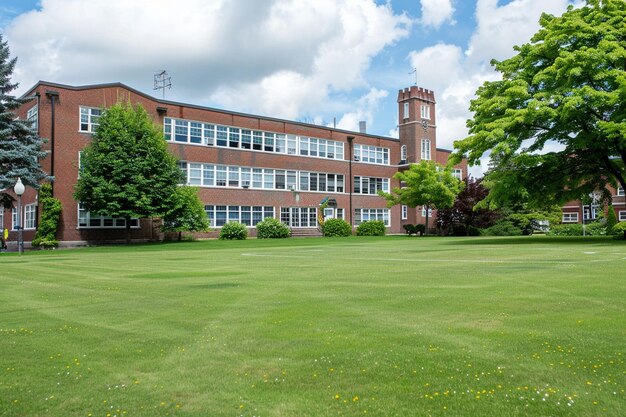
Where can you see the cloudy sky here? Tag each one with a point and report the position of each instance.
(313, 61)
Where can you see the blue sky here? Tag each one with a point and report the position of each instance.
(313, 61)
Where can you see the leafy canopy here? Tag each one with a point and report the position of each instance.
(425, 184)
(564, 90)
(20, 147)
(186, 213)
(127, 171)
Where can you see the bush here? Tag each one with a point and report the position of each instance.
(272, 228)
(50, 216)
(620, 228)
(591, 229)
(409, 229)
(420, 228)
(473, 231)
(371, 228)
(233, 231)
(611, 220)
(503, 228)
(336, 227)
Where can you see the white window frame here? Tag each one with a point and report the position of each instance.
(405, 113)
(14, 220)
(621, 215)
(425, 111)
(249, 216)
(86, 220)
(569, 217)
(300, 217)
(371, 154)
(426, 151)
(2, 220)
(430, 212)
(403, 153)
(91, 119)
(405, 212)
(364, 214)
(457, 173)
(32, 115)
(30, 216)
(362, 184)
(619, 192)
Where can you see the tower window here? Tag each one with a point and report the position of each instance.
(406, 110)
(425, 111)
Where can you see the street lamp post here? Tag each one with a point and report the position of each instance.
(19, 190)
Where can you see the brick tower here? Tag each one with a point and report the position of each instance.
(417, 124)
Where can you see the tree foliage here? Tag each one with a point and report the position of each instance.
(564, 90)
(425, 184)
(186, 213)
(50, 217)
(464, 214)
(20, 147)
(127, 171)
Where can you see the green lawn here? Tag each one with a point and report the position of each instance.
(391, 326)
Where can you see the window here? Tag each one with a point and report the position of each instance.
(426, 149)
(403, 154)
(370, 185)
(405, 212)
(248, 215)
(570, 218)
(14, 220)
(457, 173)
(30, 216)
(620, 191)
(405, 114)
(32, 115)
(425, 113)
(1, 221)
(430, 212)
(371, 154)
(88, 221)
(622, 216)
(89, 119)
(363, 215)
(299, 216)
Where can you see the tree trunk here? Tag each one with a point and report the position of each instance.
(128, 230)
(426, 229)
(180, 236)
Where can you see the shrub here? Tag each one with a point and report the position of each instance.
(336, 227)
(371, 228)
(473, 231)
(272, 228)
(420, 228)
(620, 228)
(233, 231)
(410, 229)
(611, 220)
(50, 216)
(591, 229)
(503, 228)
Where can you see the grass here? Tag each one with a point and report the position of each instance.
(390, 326)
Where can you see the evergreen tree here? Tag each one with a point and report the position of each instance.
(127, 171)
(20, 147)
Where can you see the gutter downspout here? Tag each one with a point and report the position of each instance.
(52, 95)
(351, 156)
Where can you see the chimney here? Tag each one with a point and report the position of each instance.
(362, 128)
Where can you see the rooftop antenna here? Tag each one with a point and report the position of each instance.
(162, 81)
(414, 72)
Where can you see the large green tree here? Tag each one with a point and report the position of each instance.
(20, 147)
(186, 213)
(555, 123)
(127, 171)
(424, 184)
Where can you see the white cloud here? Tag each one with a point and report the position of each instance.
(455, 75)
(365, 110)
(285, 58)
(437, 12)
